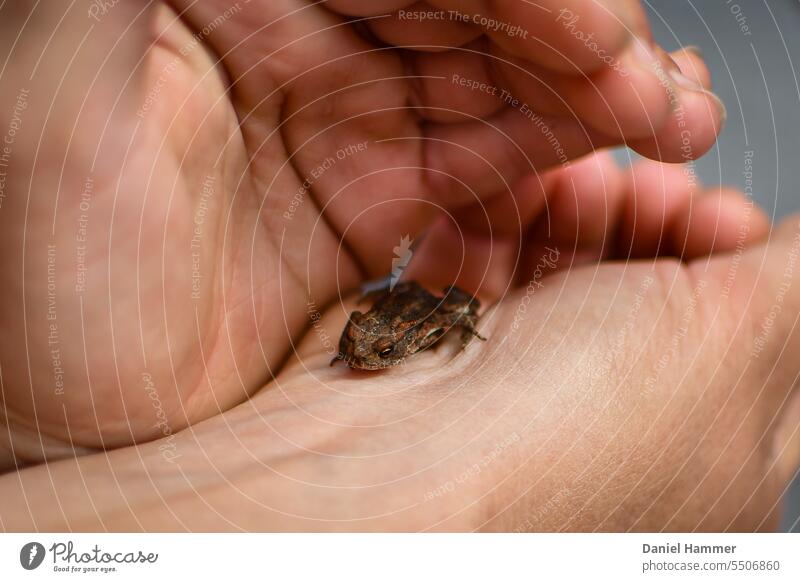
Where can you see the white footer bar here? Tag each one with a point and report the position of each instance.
(401, 557)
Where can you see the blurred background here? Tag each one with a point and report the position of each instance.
(753, 50)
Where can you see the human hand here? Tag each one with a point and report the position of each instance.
(160, 280)
(646, 394)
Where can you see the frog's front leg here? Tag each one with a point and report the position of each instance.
(463, 310)
(467, 322)
(468, 329)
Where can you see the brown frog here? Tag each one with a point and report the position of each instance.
(405, 321)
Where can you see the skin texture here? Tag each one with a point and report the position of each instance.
(566, 410)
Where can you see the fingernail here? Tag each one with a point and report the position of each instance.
(667, 59)
(688, 84)
(684, 82)
(671, 64)
(723, 112)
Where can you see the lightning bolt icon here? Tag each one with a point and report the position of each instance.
(402, 254)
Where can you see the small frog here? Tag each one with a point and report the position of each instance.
(404, 321)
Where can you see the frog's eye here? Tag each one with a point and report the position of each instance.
(386, 352)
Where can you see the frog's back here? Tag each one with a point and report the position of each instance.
(408, 301)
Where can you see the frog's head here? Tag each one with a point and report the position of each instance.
(369, 344)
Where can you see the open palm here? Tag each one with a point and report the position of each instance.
(228, 173)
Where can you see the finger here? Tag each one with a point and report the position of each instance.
(697, 119)
(346, 124)
(691, 128)
(654, 195)
(717, 221)
(577, 206)
(632, 98)
(691, 64)
(585, 202)
(490, 155)
(550, 33)
(479, 264)
(366, 7)
(626, 98)
(508, 213)
(423, 28)
(454, 84)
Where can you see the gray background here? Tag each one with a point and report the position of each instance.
(757, 79)
(756, 75)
